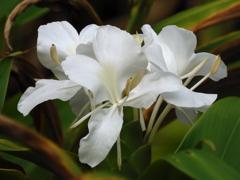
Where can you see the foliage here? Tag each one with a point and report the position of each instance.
(43, 142)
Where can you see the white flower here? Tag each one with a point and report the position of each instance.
(173, 51)
(55, 42)
(65, 38)
(109, 76)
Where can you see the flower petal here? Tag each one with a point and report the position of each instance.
(104, 128)
(181, 42)
(85, 71)
(147, 91)
(87, 34)
(118, 48)
(45, 90)
(149, 33)
(78, 101)
(163, 61)
(65, 38)
(199, 57)
(186, 98)
(192, 114)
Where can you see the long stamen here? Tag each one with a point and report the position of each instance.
(159, 121)
(213, 70)
(154, 113)
(88, 115)
(185, 114)
(53, 53)
(191, 74)
(119, 154)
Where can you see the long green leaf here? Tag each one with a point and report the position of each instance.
(46, 152)
(201, 15)
(221, 125)
(5, 68)
(12, 174)
(191, 164)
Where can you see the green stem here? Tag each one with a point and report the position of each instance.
(154, 113)
(159, 121)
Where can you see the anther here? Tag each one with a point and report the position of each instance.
(53, 52)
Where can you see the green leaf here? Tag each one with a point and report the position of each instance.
(12, 174)
(132, 135)
(201, 16)
(220, 43)
(138, 15)
(5, 68)
(43, 151)
(141, 158)
(221, 125)
(194, 163)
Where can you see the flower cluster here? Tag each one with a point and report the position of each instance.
(103, 69)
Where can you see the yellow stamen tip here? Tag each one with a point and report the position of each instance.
(137, 37)
(54, 56)
(216, 65)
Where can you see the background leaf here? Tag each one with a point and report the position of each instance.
(192, 18)
(191, 164)
(5, 68)
(221, 125)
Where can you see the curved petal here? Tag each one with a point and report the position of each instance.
(199, 57)
(147, 91)
(86, 49)
(181, 42)
(188, 99)
(149, 33)
(78, 101)
(85, 71)
(86, 35)
(45, 90)
(118, 48)
(163, 61)
(104, 128)
(65, 38)
(191, 113)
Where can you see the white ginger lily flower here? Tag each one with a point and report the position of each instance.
(118, 59)
(66, 40)
(55, 42)
(173, 51)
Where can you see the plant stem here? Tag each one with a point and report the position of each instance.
(159, 121)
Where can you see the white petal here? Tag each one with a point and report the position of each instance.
(149, 33)
(146, 93)
(87, 34)
(85, 71)
(86, 49)
(188, 99)
(199, 57)
(46, 90)
(65, 38)
(163, 61)
(118, 48)
(104, 128)
(78, 101)
(192, 114)
(181, 42)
